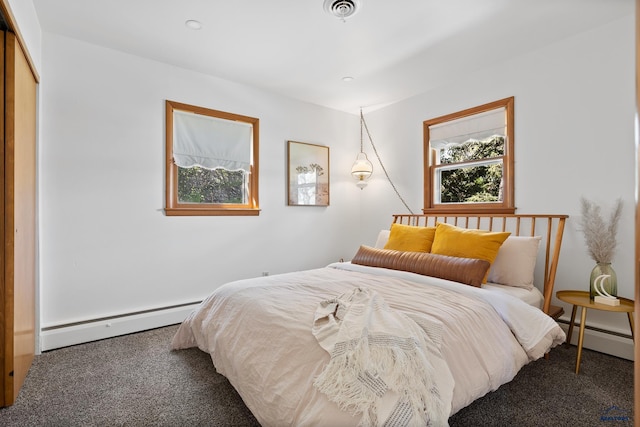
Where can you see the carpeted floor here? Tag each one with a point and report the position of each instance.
(136, 380)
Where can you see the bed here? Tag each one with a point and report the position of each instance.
(405, 333)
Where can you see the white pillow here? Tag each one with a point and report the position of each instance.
(383, 236)
(515, 262)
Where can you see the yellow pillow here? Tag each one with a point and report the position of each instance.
(467, 243)
(410, 238)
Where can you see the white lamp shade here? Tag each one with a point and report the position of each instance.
(362, 167)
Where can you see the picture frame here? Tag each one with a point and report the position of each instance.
(307, 174)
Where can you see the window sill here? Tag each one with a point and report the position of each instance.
(211, 212)
(466, 209)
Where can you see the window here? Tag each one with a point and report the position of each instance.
(469, 160)
(212, 162)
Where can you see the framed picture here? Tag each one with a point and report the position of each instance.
(308, 174)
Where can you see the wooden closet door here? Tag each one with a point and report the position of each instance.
(636, 342)
(19, 218)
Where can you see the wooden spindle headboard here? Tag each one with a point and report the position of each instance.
(549, 227)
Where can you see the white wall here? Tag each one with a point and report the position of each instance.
(106, 246)
(574, 130)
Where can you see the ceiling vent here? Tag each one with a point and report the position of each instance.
(342, 9)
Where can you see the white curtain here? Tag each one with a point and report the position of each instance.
(467, 129)
(210, 142)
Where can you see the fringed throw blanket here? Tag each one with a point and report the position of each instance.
(382, 362)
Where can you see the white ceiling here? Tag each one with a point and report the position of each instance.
(392, 49)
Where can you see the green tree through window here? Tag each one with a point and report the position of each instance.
(200, 185)
(473, 183)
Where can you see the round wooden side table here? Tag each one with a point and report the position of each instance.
(581, 299)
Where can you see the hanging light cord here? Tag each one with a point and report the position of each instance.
(363, 123)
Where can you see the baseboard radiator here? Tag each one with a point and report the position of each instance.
(53, 337)
(64, 335)
(606, 341)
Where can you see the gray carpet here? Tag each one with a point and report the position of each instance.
(136, 380)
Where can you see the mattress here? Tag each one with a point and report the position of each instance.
(532, 296)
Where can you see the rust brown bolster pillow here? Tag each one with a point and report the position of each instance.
(469, 271)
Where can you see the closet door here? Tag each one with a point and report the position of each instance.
(637, 255)
(19, 220)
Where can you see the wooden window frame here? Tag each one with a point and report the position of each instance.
(507, 206)
(175, 208)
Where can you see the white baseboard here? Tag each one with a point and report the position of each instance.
(602, 342)
(63, 336)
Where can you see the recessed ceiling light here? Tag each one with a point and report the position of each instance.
(193, 24)
(347, 79)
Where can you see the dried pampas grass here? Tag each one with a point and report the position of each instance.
(599, 235)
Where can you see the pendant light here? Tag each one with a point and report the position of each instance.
(362, 167)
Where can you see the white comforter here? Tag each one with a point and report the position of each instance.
(258, 332)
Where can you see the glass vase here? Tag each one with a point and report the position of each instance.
(610, 284)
